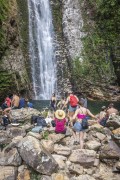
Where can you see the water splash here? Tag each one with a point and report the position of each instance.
(41, 51)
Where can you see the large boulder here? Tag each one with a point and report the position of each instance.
(75, 168)
(113, 121)
(63, 150)
(93, 145)
(4, 139)
(105, 173)
(11, 158)
(48, 144)
(36, 156)
(56, 137)
(60, 160)
(83, 157)
(15, 131)
(23, 114)
(110, 151)
(8, 173)
(36, 135)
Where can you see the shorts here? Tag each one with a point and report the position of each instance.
(72, 109)
(62, 132)
(14, 107)
(78, 127)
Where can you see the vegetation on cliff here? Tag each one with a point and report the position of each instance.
(3, 16)
(101, 55)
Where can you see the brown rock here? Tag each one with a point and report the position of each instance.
(8, 173)
(110, 151)
(56, 137)
(24, 175)
(83, 156)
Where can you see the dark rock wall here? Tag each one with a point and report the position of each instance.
(13, 73)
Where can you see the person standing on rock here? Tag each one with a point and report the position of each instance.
(72, 100)
(78, 131)
(53, 102)
(61, 103)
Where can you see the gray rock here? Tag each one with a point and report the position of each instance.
(63, 150)
(56, 137)
(4, 139)
(15, 131)
(83, 156)
(8, 173)
(11, 158)
(93, 145)
(113, 121)
(45, 178)
(36, 156)
(110, 151)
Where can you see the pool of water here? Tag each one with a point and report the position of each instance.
(93, 106)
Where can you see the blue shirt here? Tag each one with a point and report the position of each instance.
(22, 103)
(30, 105)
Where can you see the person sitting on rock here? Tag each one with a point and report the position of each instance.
(14, 103)
(78, 131)
(60, 122)
(111, 110)
(6, 104)
(103, 116)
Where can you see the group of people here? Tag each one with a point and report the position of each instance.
(77, 114)
(11, 102)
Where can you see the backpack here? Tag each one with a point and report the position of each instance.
(6, 120)
(85, 123)
(73, 101)
(34, 119)
(41, 122)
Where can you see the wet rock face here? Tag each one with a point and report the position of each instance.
(14, 76)
(35, 156)
(72, 27)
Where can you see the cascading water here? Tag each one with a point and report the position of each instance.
(41, 50)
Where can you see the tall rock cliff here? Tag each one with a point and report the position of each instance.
(13, 73)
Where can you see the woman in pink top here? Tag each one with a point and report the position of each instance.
(60, 122)
(80, 114)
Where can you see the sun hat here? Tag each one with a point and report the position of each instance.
(60, 114)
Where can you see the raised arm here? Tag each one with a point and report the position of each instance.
(90, 114)
(76, 113)
(66, 102)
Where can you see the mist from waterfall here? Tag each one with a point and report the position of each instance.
(41, 51)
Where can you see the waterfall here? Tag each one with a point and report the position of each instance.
(41, 51)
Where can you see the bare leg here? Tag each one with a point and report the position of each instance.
(74, 135)
(81, 139)
(7, 109)
(70, 117)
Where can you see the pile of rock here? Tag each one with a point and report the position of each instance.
(55, 157)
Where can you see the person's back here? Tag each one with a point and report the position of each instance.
(22, 103)
(15, 101)
(112, 110)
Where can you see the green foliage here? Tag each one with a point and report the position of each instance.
(3, 17)
(101, 42)
(35, 175)
(45, 135)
